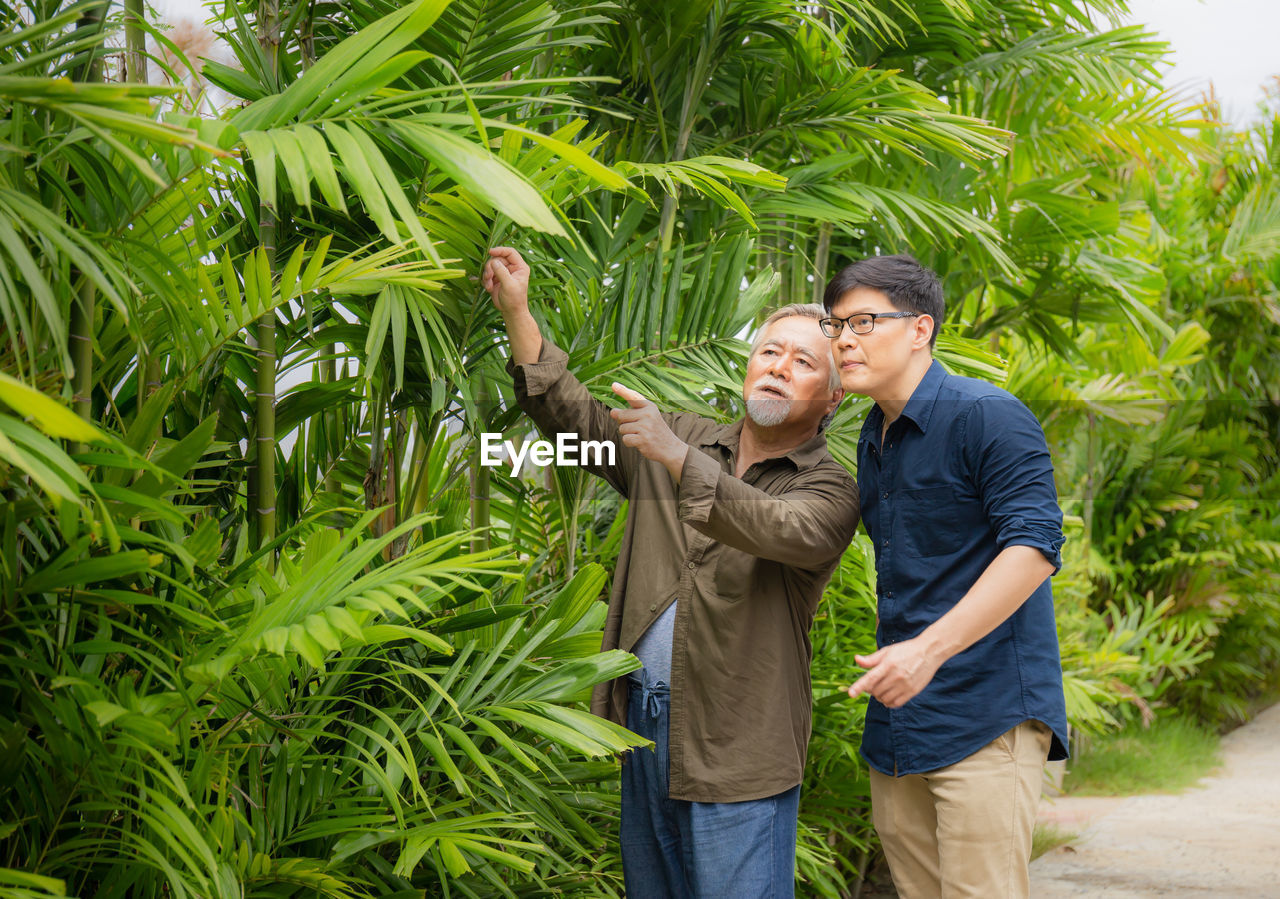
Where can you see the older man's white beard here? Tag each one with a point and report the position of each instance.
(768, 413)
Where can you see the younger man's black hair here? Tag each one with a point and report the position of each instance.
(909, 286)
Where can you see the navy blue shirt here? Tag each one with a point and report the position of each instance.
(963, 472)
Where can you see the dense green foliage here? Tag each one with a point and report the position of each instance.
(266, 626)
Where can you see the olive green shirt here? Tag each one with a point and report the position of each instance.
(747, 559)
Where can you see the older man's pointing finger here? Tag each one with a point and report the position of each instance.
(641, 425)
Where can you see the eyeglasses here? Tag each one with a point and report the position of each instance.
(861, 323)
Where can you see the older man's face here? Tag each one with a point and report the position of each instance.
(789, 375)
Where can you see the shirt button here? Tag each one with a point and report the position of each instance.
(884, 542)
(884, 495)
(691, 565)
(654, 607)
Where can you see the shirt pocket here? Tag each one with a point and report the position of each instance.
(734, 573)
(930, 521)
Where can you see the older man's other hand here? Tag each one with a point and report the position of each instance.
(506, 278)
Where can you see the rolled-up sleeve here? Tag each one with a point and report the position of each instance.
(558, 403)
(807, 526)
(535, 378)
(1015, 475)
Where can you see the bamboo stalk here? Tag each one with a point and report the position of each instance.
(373, 497)
(797, 292)
(329, 420)
(695, 85)
(265, 401)
(480, 487)
(821, 259)
(135, 72)
(135, 42)
(263, 499)
(80, 335)
(1088, 479)
(81, 339)
(391, 516)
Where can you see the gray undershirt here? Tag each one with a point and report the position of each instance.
(654, 648)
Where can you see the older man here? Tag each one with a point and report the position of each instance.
(732, 533)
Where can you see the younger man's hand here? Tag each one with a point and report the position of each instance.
(642, 426)
(506, 278)
(896, 673)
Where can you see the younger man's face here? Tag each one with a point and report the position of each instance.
(874, 364)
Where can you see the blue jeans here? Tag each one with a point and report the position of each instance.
(672, 848)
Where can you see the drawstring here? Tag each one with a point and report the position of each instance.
(649, 696)
(650, 693)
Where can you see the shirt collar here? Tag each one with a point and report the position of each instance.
(806, 455)
(919, 408)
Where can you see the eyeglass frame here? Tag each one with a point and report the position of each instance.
(847, 321)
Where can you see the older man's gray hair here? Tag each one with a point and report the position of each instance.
(805, 310)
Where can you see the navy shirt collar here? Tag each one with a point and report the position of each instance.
(919, 408)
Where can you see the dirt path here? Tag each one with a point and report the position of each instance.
(1219, 839)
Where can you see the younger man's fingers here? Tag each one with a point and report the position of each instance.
(869, 661)
(857, 688)
(894, 700)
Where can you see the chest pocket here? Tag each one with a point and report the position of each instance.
(930, 521)
(734, 574)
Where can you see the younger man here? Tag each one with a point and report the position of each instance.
(966, 688)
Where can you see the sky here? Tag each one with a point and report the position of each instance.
(1235, 44)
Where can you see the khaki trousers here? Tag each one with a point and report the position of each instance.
(965, 830)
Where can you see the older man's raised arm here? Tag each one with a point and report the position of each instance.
(506, 278)
(545, 388)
